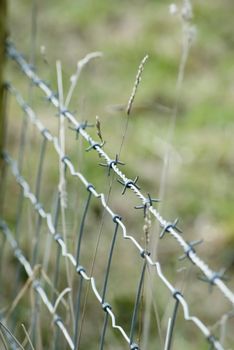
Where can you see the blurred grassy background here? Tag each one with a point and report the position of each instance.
(198, 184)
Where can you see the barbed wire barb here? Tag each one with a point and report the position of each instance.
(168, 228)
(47, 216)
(16, 56)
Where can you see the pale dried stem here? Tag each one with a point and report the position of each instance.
(62, 180)
(27, 337)
(186, 16)
(75, 77)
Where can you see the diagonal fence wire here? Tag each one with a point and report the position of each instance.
(214, 278)
(58, 238)
(36, 283)
(80, 269)
(119, 224)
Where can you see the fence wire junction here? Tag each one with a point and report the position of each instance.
(214, 278)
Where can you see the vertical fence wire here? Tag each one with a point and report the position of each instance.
(78, 310)
(109, 260)
(171, 325)
(136, 305)
(37, 193)
(81, 230)
(105, 305)
(62, 246)
(36, 306)
(28, 194)
(167, 227)
(79, 268)
(103, 334)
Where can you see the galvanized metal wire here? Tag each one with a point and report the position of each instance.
(155, 265)
(36, 283)
(81, 270)
(167, 227)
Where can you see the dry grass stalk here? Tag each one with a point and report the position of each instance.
(136, 84)
(27, 337)
(75, 77)
(98, 127)
(62, 181)
(3, 331)
(23, 290)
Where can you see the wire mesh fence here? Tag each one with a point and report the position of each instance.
(65, 263)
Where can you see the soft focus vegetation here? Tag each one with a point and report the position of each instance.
(197, 185)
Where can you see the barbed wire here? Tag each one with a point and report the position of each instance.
(58, 238)
(214, 278)
(116, 219)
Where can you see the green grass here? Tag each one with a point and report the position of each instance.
(199, 182)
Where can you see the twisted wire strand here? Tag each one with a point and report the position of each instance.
(28, 194)
(58, 238)
(106, 307)
(211, 275)
(36, 283)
